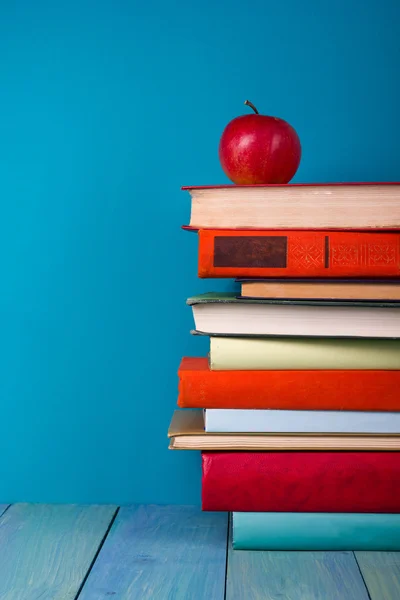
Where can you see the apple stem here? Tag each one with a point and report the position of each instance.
(248, 103)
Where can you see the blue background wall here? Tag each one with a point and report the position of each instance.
(106, 109)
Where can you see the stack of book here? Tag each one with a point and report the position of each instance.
(299, 398)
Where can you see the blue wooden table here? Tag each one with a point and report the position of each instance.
(53, 552)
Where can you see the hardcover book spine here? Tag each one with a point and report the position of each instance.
(316, 531)
(301, 482)
(296, 390)
(227, 354)
(225, 420)
(241, 253)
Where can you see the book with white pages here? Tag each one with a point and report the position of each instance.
(223, 313)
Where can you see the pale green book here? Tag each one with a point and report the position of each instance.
(298, 353)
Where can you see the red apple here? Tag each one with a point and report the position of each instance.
(257, 148)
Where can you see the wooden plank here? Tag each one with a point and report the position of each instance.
(256, 575)
(381, 572)
(46, 550)
(161, 552)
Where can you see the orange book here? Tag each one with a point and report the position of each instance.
(300, 254)
(199, 387)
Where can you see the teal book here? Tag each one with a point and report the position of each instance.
(316, 531)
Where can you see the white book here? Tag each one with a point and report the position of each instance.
(224, 314)
(300, 421)
(338, 206)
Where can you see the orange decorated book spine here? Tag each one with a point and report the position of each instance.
(374, 390)
(308, 254)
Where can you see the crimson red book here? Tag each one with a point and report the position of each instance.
(339, 482)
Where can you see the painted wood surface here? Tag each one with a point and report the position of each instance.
(381, 572)
(169, 552)
(46, 550)
(255, 575)
(165, 552)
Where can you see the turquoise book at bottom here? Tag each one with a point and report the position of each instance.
(315, 531)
